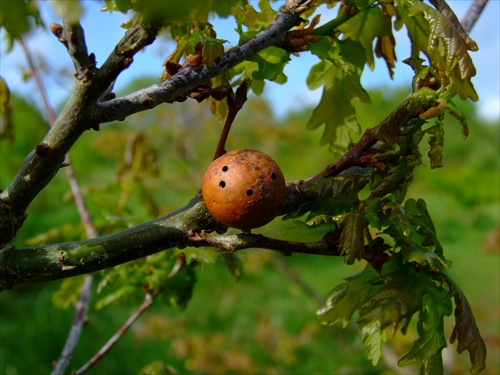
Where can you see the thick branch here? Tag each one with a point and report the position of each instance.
(188, 78)
(52, 262)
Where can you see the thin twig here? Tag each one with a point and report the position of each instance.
(148, 302)
(235, 104)
(76, 328)
(72, 36)
(472, 15)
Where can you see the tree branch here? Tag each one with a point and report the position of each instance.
(52, 262)
(149, 298)
(85, 218)
(72, 36)
(243, 241)
(83, 112)
(148, 302)
(76, 328)
(235, 105)
(472, 15)
(190, 77)
(42, 164)
(390, 127)
(180, 228)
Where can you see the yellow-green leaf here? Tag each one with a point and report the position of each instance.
(364, 27)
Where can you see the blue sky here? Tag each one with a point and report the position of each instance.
(103, 31)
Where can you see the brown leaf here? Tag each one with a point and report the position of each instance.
(385, 49)
(467, 332)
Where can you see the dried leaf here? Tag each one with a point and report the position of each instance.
(385, 48)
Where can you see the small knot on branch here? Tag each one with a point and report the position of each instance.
(58, 30)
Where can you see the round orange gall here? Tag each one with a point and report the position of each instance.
(244, 189)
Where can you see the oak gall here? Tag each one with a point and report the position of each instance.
(244, 189)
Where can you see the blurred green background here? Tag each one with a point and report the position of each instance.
(153, 163)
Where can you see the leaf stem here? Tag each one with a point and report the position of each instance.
(235, 105)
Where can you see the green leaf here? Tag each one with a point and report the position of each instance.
(233, 263)
(178, 289)
(352, 238)
(346, 298)
(333, 187)
(341, 88)
(466, 330)
(456, 112)
(252, 19)
(175, 11)
(68, 293)
(426, 350)
(432, 33)
(70, 10)
(414, 233)
(332, 197)
(412, 252)
(116, 295)
(390, 180)
(6, 123)
(270, 65)
(397, 298)
(364, 27)
(4, 95)
(213, 50)
(200, 254)
(16, 18)
(420, 218)
(373, 345)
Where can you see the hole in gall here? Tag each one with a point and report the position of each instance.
(225, 168)
(249, 192)
(222, 184)
(273, 176)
